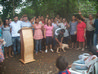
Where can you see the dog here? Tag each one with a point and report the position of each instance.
(62, 47)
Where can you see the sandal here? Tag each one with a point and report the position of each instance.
(78, 48)
(82, 49)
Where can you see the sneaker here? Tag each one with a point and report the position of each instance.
(46, 51)
(51, 50)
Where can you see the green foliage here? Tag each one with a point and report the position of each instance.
(64, 8)
(87, 7)
(9, 6)
(30, 12)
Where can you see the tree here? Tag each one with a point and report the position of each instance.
(53, 7)
(87, 7)
(29, 11)
(9, 6)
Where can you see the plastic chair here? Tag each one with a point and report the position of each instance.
(96, 67)
(83, 56)
(91, 69)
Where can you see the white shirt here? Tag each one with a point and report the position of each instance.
(64, 27)
(55, 26)
(15, 26)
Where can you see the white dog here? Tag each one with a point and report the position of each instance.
(62, 47)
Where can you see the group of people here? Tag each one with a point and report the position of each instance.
(50, 32)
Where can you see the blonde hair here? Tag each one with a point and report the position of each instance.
(1, 23)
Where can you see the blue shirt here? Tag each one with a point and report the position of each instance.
(73, 27)
(26, 24)
(96, 26)
(64, 72)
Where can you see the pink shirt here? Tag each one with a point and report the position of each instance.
(49, 30)
(38, 32)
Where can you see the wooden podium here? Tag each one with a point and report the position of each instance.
(27, 45)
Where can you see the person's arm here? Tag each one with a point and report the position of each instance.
(84, 26)
(1, 40)
(57, 40)
(57, 24)
(45, 33)
(85, 32)
(52, 33)
(33, 26)
(85, 58)
(68, 26)
(93, 58)
(10, 28)
(76, 30)
(42, 27)
(34, 21)
(92, 23)
(61, 39)
(1, 24)
(81, 15)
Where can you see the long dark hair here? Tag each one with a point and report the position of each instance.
(5, 22)
(74, 16)
(79, 17)
(36, 20)
(50, 23)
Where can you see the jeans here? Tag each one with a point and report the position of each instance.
(38, 45)
(89, 35)
(16, 44)
(79, 67)
(95, 39)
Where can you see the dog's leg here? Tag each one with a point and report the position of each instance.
(57, 50)
(63, 50)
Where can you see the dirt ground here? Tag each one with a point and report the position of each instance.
(44, 64)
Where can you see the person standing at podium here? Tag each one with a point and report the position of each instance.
(38, 36)
(25, 22)
(15, 27)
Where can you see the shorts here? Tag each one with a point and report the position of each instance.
(65, 40)
(48, 40)
(73, 38)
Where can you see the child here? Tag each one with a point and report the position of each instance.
(62, 65)
(1, 52)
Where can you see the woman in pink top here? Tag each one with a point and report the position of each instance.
(48, 34)
(38, 36)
